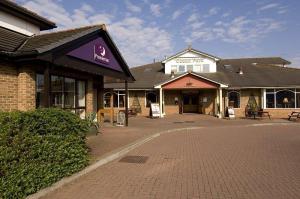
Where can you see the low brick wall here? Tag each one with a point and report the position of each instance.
(281, 113)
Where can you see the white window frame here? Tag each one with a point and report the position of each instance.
(275, 91)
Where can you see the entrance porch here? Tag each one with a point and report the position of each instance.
(191, 93)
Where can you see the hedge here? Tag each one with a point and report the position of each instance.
(38, 148)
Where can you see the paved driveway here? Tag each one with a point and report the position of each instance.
(211, 162)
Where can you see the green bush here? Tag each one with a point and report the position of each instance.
(38, 148)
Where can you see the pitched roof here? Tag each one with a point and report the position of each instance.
(10, 40)
(259, 75)
(191, 50)
(19, 11)
(257, 60)
(19, 44)
(146, 77)
(44, 42)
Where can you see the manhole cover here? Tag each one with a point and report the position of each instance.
(134, 159)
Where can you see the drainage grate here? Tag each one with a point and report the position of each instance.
(134, 159)
(178, 122)
(189, 121)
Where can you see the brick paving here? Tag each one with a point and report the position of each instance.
(115, 137)
(212, 162)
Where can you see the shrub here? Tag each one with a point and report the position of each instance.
(38, 148)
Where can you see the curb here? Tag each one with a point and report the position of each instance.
(106, 159)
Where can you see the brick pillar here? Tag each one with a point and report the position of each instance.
(89, 97)
(26, 89)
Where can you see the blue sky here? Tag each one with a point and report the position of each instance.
(145, 30)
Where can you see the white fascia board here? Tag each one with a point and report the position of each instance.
(16, 29)
(168, 81)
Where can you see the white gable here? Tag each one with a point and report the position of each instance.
(190, 60)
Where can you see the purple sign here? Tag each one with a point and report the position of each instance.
(96, 52)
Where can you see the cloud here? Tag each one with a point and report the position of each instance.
(131, 7)
(239, 30)
(176, 14)
(193, 18)
(155, 9)
(213, 11)
(138, 41)
(295, 61)
(226, 14)
(268, 6)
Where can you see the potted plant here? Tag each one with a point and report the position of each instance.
(94, 126)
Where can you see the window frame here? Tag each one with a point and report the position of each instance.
(239, 97)
(63, 91)
(156, 97)
(274, 91)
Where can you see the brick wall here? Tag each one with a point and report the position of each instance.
(208, 107)
(245, 94)
(26, 89)
(169, 98)
(89, 97)
(8, 87)
(281, 113)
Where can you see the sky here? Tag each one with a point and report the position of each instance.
(145, 30)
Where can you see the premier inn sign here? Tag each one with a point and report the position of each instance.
(96, 52)
(189, 60)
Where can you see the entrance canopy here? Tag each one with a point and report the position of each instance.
(190, 81)
(87, 49)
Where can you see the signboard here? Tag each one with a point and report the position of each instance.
(189, 60)
(231, 113)
(96, 52)
(155, 111)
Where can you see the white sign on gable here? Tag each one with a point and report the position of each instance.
(191, 61)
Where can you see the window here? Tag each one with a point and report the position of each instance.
(282, 98)
(197, 68)
(39, 90)
(189, 68)
(106, 100)
(151, 97)
(57, 91)
(174, 68)
(121, 99)
(118, 99)
(181, 68)
(285, 99)
(80, 100)
(205, 68)
(270, 100)
(234, 99)
(68, 93)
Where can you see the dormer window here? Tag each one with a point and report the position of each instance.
(205, 68)
(189, 68)
(181, 68)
